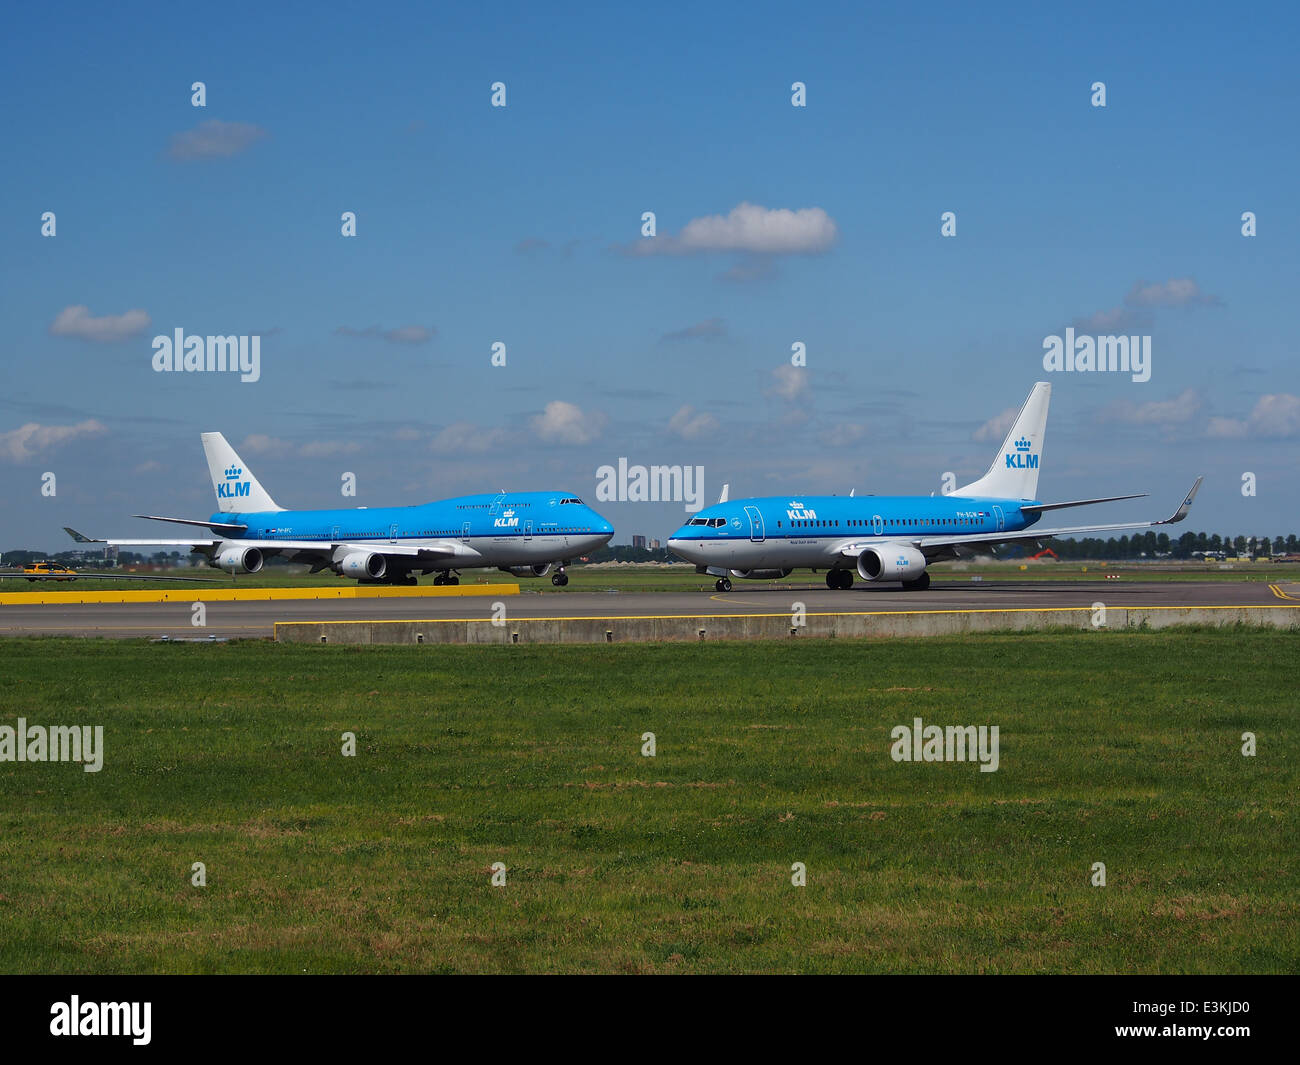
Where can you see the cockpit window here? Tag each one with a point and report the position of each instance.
(698, 521)
(575, 499)
(717, 523)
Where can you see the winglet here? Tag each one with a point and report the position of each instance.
(80, 538)
(726, 491)
(1181, 512)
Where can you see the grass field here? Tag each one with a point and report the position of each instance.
(1115, 748)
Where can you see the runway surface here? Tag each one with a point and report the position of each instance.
(227, 620)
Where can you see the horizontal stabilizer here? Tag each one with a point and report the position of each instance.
(226, 528)
(1038, 508)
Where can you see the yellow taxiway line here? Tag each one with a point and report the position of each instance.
(250, 595)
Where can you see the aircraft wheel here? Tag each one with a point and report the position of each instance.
(724, 584)
(919, 585)
(846, 580)
(453, 580)
(439, 579)
(832, 578)
(559, 579)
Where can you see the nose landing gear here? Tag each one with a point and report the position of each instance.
(724, 584)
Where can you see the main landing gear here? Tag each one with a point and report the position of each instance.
(919, 585)
(446, 577)
(724, 584)
(841, 580)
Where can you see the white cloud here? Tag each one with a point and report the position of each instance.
(323, 449)
(1144, 295)
(995, 430)
(791, 382)
(1276, 415)
(261, 444)
(709, 329)
(1175, 411)
(690, 424)
(214, 139)
(748, 228)
(274, 446)
(1176, 292)
(28, 440)
(466, 438)
(844, 435)
(564, 423)
(404, 334)
(76, 321)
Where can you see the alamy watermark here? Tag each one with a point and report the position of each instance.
(950, 743)
(653, 484)
(55, 743)
(1113, 354)
(197, 354)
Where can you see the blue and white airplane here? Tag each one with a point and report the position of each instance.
(889, 538)
(522, 533)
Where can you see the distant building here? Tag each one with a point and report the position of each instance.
(638, 541)
(654, 545)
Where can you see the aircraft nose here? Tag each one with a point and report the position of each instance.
(681, 549)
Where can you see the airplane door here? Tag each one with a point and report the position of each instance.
(877, 524)
(997, 513)
(392, 533)
(528, 530)
(334, 534)
(464, 533)
(756, 532)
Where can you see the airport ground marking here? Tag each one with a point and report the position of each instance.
(252, 595)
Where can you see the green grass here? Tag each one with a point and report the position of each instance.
(1118, 748)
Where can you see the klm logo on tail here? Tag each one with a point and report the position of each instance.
(1021, 458)
(233, 487)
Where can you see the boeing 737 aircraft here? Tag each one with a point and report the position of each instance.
(889, 538)
(523, 533)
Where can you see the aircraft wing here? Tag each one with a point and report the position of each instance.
(934, 546)
(433, 550)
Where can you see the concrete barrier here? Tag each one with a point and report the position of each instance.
(881, 624)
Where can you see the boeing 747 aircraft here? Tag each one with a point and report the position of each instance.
(522, 533)
(890, 538)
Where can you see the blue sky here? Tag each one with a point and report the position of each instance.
(522, 225)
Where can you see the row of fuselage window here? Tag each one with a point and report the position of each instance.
(889, 525)
(547, 530)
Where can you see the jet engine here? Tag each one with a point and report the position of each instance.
(363, 565)
(540, 570)
(240, 560)
(891, 562)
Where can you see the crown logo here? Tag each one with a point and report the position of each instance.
(1023, 444)
(795, 506)
(508, 514)
(233, 473)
